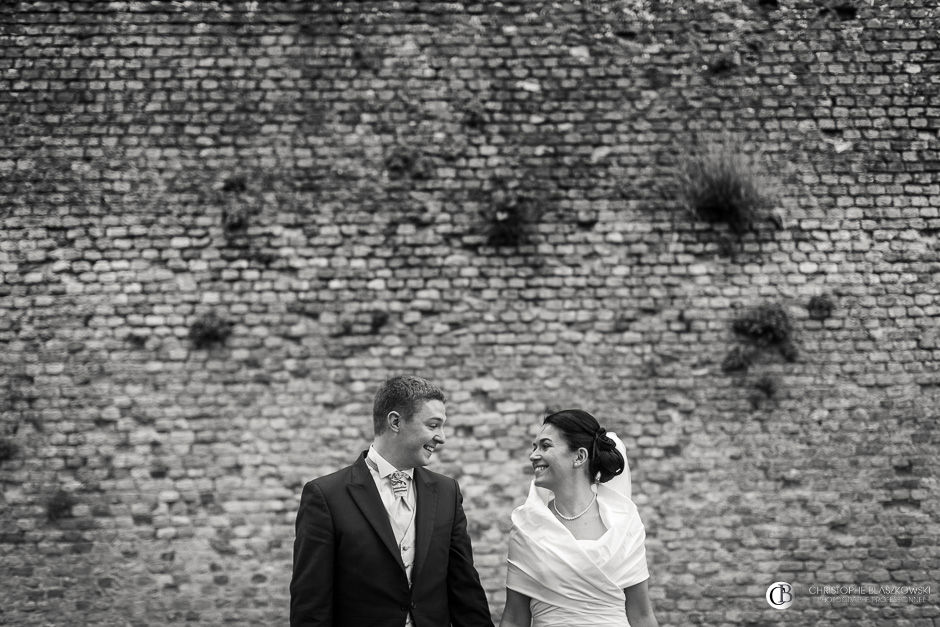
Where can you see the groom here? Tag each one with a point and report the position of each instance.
(384, 542)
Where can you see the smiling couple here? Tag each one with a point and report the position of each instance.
(384, 542)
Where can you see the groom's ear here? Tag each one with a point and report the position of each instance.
(393, 419)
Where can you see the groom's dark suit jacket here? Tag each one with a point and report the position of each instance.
(348, 570)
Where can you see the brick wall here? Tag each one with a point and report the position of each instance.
(224, 223)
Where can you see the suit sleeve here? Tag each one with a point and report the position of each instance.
(465, 595)
(311, 586)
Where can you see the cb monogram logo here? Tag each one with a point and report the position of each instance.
(779, 595)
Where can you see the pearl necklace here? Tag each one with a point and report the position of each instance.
(576, 516)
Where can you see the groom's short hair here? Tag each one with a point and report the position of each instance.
(402, 394)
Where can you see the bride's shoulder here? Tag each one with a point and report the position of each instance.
(615, 501)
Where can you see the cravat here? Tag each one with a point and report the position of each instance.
(399, 480)
(400, 513)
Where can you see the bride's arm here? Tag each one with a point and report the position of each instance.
(639, 608)
(516, 613)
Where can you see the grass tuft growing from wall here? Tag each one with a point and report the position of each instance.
(766, 325)
(820, 307)
(721, 183)
(209, 330)
(511, 218)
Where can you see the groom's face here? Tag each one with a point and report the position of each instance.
(418, 438)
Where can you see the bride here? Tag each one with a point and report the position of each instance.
(576, 554)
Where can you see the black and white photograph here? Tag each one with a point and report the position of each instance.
(419, 313)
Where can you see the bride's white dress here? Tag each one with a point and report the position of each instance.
(578, 582)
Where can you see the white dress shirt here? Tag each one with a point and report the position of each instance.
(401, 518)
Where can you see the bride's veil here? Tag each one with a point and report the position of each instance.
(621, 483)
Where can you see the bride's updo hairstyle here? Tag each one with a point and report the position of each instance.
(580, 429)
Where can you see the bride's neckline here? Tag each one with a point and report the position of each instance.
(562, 526)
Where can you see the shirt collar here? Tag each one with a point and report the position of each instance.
(382, 466)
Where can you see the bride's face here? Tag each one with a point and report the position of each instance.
(552, 460)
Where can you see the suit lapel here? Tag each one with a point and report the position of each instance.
(426, 496)
(365, 495)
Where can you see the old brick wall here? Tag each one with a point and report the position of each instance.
(224, 223)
